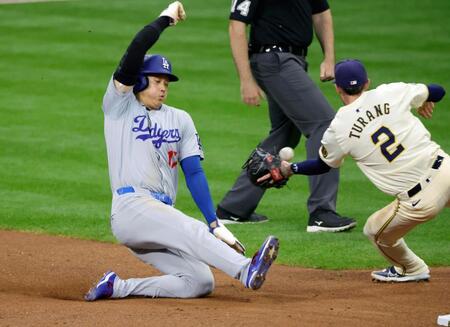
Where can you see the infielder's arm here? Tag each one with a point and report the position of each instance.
(323, 26)
(310, 167)
(307, 167)
(127, 72)
(251, 93)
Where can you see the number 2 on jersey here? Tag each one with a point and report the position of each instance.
(390, 140)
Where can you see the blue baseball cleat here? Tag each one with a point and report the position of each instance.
(103, 289)
(261, 262)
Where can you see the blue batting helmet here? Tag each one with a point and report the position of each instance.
(153, 65)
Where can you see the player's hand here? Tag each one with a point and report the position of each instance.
(426, 110)
(175, 11)
(222, 233)
(285, 169)
(327, 70)
(251, 93)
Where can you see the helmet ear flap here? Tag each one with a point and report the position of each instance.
(141, 84)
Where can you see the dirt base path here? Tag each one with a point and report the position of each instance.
(43, 279)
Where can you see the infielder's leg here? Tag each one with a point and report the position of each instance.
(387, 226)
(186, 277)
(243, 198)
(294, 101)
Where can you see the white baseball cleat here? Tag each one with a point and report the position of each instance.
(391, 275)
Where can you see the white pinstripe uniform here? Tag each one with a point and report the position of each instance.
(394, 150)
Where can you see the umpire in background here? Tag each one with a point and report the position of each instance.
(274, 63)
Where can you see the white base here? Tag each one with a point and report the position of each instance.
(444, 320)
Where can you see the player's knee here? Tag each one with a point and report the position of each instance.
(199, 285)
(205, 285)
(368, 231)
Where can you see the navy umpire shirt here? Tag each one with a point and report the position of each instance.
(278, 22)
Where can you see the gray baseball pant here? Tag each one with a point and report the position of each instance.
(296, 107)
(179, 246)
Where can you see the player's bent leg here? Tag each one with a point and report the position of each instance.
(385, 228)
(186, 277)
(147, 224)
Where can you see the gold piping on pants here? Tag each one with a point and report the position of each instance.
(381, 230)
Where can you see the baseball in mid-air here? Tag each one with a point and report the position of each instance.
(286, 153)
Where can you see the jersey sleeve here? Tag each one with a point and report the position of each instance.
(243, 10)
(319, 6)
(418, 93)
(190, 140)
(331, 152)
(410, 95)
(116, 103)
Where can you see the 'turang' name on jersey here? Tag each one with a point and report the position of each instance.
(155, 133)
(369, 115)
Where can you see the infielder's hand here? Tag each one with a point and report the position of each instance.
(426, 110)
(285, 169)
(327, 70)
(251, 93)
(175, 11)
(222, 233)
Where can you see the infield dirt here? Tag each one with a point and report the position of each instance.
(43, 279)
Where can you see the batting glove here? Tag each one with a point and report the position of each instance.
(222, 233)
(175, 11)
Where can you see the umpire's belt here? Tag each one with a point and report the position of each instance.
(419, 186)
(164, 198)
(298, 51)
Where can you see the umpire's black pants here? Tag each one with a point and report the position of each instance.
(296, 107)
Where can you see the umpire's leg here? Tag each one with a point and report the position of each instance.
(305, 105)
(293, 96)
(243, 198)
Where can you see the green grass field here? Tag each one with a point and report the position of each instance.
(56, 59)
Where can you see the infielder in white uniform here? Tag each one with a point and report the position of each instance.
(394, 150)
(146, 142)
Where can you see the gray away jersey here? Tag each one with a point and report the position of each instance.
(145, 146)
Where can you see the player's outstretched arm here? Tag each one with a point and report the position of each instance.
(307, 167)
(198, 186)
(127, 72)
